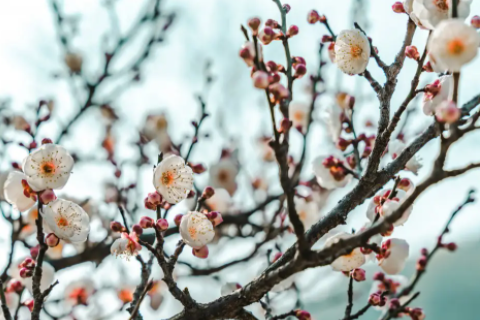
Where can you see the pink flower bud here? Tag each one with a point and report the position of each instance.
(137, 229)
(358, 274)
(303, 315)
(398, 7)
(379, 276)
(14, 285)
(394, 303)
(274, 78)
(215, 218)
(424, 252)
(260, 79)
(376, 299)
(313, 17)
(116, 226)
(343, 144)
(286, 7)
(300, 71)
(146, 222)
(162, 224)
(447, 112)
(475, 22)
(25, 273)
(266, 35)
(52, 240)
(412, 53)
(272, 23)
(422, 263)
(452, 246)
(277, 256)
(326, 38)
(178, 219)
(198, 168)
(29, 304)
(47, 196)
(254, 23)
(292, 31)
(201, 253)
(46, 140)
(34, 251)
(417, 314)
(322, 19)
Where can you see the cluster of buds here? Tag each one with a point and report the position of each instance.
(313, 17)
(447, 112)
(385, 284)
(336, 167)
(397, 7)
(153, 200)
(302, 315)
(300, 66)
(451, 246)
(414, 313)
(26, 268)
(377, 299)
(147, 223)
(412, 53)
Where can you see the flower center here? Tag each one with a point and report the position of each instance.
(167, 178)
(456, 47)
(79, 295)
(223, 176)
(302, 215)
(355, 51)
(125, 295)
(47, 168)
(298, 115)
(441, 4)
(193, 232)
(161, 124)
(62, 222)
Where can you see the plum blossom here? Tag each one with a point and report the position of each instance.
(156, 295)
(348, 262)
(3, 179)
(268, 155)
(435, 93)
(125, 293)
(393, 255)
(67, 220)
(352, 51)
(79, 291)
(196, 230)
(393, 284)
(331, 171)
(173, 179)
(221, 201)
(307, 211)
(127, 246)
(396, 147)
(156, 128)
(384, 206)
(224, 174)
(48, 167)
(332, 117)
(447, 112)
(18, 192)
(12, 300)
(298, 113)
(453, 44)
(429, 14)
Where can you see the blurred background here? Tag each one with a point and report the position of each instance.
(202, 42)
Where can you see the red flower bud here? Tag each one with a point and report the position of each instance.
(398, 7)
(52, 240)
(116, 226)
(201, 253)
(137, 229)
(475, 22)
(178, 219)
(162, 224)
(46, 140)
(146, 222)
(313, 17)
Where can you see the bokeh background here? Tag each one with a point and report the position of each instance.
(32, 68)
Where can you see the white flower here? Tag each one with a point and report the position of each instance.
(298, 113)
(453, 44)
(307, 211)
(48, 167)
(224, 175)
(196, 230)
(67, 220)
(78, 291)
(396, 147)
(394, 255)
(229, 287)
(220, 201)
(352, 51)
(56, 252)
(354, 259)
(3, 179)
(126, 246)
(383, 206)
(156, 295)
(155, 128)
(438, 92)
(429, 14)
(12, 299)
(331, 116)
(29, 219)
(48, 275)
(16, 189)
(268, 155)
(330, 171)
(173, 179)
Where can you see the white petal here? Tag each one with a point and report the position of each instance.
(346, 262)
(395, 262)
(14, 191)
(196, 230)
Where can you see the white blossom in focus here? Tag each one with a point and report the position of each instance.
(173, 179)
(127, 246)
(330, 171)
(48, 167)
(453, 44)
(396, 147)
(430, 13)
(196, 230)
(440, 92)
(394, 255)
(354, 259)
(352, 51)
(15, 189)
(67, 220)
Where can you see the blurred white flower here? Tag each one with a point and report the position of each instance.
(220, 201)
(48, 275)
(453, 44)
(396, 147)
(67, 220)
(156, 128)
(354, 259)
(393, 256)
(3, 179)
(17, 191)
(173, 179)
(79, 291)
(196, 230)
(331, 171)
(332, 117)
(352, 51)
(307, 211)
(224, 175)
(156, 295)
(29, 219)
(437, 92)
(298, 113)
(48, 167)
(126, 246)
(428, 14)
(12, 300)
